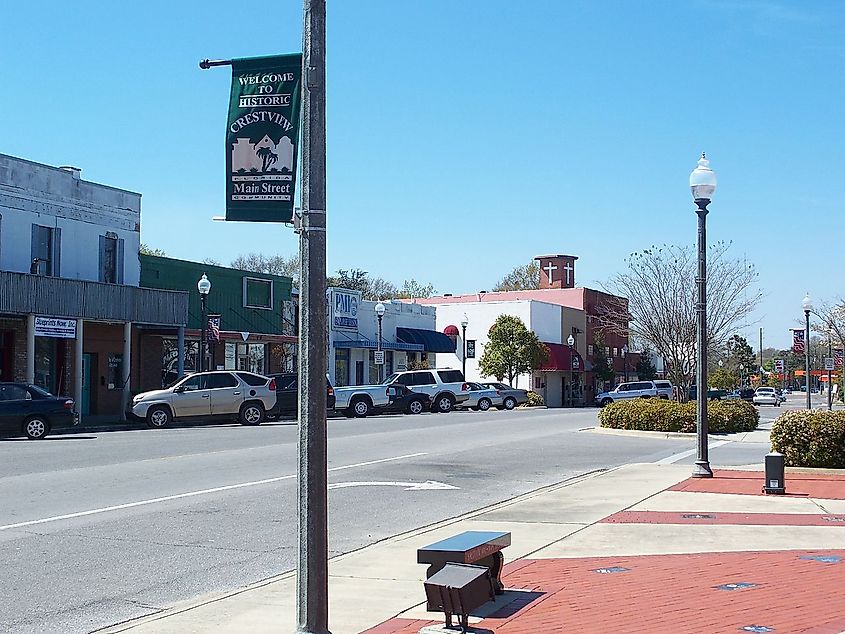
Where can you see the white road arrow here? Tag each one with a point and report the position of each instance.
(428, 485)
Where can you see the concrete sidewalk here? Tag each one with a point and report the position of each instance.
(635, 549)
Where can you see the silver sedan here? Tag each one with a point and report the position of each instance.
(482, 397)
(766, 396)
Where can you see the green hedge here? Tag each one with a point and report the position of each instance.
(534, 400)
(814, 438)
(652, 414)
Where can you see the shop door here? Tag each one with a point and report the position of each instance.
(7, 355)
(87, 364)
(359, 373)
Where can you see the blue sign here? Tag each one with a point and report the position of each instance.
(344, 306)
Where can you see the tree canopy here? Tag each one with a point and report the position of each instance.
(375, 288)
(521, 278)
(511, 350)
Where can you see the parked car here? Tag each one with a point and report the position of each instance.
(664, 389)
(766, 396)
(746, 394)
(735, 395)
(206, 395)
(626, 391)
(401, 399)
(511, 396)
(483, 398)
(287, 393)
(32, 411)
(445, 387)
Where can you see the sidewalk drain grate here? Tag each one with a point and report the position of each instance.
(825, 559)
(610, 571)
(697, 516)
(742, 585)
(756, 628)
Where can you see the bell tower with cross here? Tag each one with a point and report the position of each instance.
(557, 271)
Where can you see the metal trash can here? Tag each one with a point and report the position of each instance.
(775, 471)
(459, 589)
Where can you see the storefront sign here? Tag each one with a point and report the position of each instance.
(55, 327)
(343, 305)
(261, 138)
(470, 348)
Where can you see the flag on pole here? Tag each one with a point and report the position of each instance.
(797, 341)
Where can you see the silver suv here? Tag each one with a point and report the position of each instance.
(624, 391)
(242, 395)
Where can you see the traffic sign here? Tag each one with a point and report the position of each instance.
(779, 366)
(829, 363)
(379, 357)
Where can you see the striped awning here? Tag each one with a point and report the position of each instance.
(373, 345)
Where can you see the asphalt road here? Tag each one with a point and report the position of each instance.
(102, 527)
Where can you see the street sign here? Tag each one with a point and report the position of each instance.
(829, 363)
(379, 354)
(779, 366)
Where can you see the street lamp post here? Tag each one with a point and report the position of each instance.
(702, 182)
(625, 361)
(571, 341)
(741, 378)
(464, 324)
(380, 315)
(807, 305)
(829, 374)
(204, 287)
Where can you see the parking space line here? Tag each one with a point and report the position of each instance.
(189, 494)
(684, 454)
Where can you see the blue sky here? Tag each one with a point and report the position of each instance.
(464, 138)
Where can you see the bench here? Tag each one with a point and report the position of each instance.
(482, 548)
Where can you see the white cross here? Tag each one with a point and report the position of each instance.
(568, 268)
(548, 269)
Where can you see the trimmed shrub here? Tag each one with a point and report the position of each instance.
(652, 414)
(814, 438)
(534, 400)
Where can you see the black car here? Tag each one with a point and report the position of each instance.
(406, 401)
(31, 410)
(287, 393)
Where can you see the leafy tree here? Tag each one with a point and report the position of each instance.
(521, 278)
(148, 250)
(722, 379)
(376, 288)
(657, 302)
(740, 352)
(602, 370)
(412, 289)
(511, 350)
(272, 264)
(645, 366)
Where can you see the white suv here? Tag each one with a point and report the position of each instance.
(625, 391)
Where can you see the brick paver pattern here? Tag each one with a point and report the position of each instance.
(737, 519)
(825, 486)
(788, 591)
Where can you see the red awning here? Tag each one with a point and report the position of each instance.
(450, 331)
(562, 359)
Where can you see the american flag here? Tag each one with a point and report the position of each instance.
(838, 355)
(798, 341)
(213, 329)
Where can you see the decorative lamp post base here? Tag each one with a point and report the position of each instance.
(702, 469)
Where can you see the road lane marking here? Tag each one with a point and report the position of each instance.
(684, 454)
(179, 496)
(428, 485)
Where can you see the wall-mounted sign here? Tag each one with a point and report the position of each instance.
(470, 348)
(829, 363)
(261, 138)
(343, 307)
(55, 327)
(576, 363)
(379, 357)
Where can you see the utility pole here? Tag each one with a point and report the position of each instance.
(761, 356)
(312, 600)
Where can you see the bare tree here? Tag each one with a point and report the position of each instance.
(272, 264)
(412, 289)
(659, 285)
(521, 278)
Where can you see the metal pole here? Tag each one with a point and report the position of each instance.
(807, 356)
(829, 374)
(312, 585)
(204, 321)
(381, 366)
(761, 356)
(702, 464)
(464, 354)
(625, 365)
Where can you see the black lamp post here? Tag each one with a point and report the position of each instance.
(807, 305)
(571, 341)
(204, 287)
(702, 183)
(464, 324)
(380, 315)
(625, 361)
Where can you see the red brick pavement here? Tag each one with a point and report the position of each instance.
(826, 486)
(671, 594)
(710, 517)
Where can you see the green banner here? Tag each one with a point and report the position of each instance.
(261, 138)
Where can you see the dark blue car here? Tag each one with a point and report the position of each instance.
(32, 411)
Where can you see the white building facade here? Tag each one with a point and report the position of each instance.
(559, 380)
(409, 336)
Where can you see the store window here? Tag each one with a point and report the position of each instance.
(245, 357)
(114, 379)
(258, 293)
(46, 243)
(45, 363)
(170, 360)
(341, 367)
